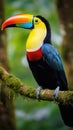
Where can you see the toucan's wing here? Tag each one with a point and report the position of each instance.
(52, 57)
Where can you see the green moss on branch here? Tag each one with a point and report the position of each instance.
(12, 82)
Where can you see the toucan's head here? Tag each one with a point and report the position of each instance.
(28, 21)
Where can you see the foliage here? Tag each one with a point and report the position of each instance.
(16, 51)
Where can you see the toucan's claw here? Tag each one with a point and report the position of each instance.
(38, 92)
(56, 92)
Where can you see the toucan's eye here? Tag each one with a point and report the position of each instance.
(36, 21)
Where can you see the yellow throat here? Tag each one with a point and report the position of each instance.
(36, 37)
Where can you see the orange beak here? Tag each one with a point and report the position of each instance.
(20, 20)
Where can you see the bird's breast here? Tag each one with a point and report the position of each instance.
(35, 55)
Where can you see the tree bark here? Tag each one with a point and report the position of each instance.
(65, 11)
(3, 41)
(7, 118)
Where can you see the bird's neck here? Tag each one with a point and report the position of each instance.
(35, 39)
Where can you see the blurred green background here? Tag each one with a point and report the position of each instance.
(31, 114)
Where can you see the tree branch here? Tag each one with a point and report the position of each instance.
(12, 82)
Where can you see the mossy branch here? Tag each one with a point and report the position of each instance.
(12, 82)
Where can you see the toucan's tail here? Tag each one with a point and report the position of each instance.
(67, 114)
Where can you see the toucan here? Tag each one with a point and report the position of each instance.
(44, 60)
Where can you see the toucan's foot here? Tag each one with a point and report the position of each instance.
(38, 92)
(56, 92)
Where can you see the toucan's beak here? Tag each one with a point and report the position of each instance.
(20, 20)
